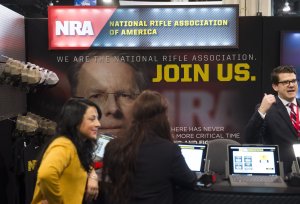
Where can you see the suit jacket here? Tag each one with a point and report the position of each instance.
(277, 129)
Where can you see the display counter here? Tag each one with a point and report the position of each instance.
(221, 192)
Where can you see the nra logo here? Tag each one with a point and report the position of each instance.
(72, 28)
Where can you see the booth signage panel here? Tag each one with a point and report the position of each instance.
(211, 93)
(80, 27)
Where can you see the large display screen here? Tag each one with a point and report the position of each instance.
(290, 50)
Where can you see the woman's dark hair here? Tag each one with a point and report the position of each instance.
(69, 120)
(149, 120)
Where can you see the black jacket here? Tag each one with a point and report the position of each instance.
(160, 167)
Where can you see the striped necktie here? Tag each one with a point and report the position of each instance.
(293, 117)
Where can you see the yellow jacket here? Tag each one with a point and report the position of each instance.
(61, 178)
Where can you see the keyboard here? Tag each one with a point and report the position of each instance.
(258, 181)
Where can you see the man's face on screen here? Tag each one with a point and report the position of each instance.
(112, 86)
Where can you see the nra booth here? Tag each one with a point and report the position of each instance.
(211, 63)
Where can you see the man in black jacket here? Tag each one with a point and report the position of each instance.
(271, 122)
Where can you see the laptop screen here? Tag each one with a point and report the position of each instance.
(253, 160)
(194, 155)
(296, 148)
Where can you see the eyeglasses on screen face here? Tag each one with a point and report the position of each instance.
(120, 97)
(288, 82)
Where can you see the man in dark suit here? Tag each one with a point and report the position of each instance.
(271, 122)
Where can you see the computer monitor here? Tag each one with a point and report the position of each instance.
(253, 160)
(195, 156)
(102, 141)
(296, 148)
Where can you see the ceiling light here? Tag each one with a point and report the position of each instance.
(286, 7)
(108, 2)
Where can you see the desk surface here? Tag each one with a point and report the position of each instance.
(224, 186)
(221, 192)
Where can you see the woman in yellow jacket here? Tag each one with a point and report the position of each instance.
(66, 162)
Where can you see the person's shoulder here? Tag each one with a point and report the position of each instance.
(158, 141)
(62, 144)
(167, 147)
(277, 104)
(62, 141)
